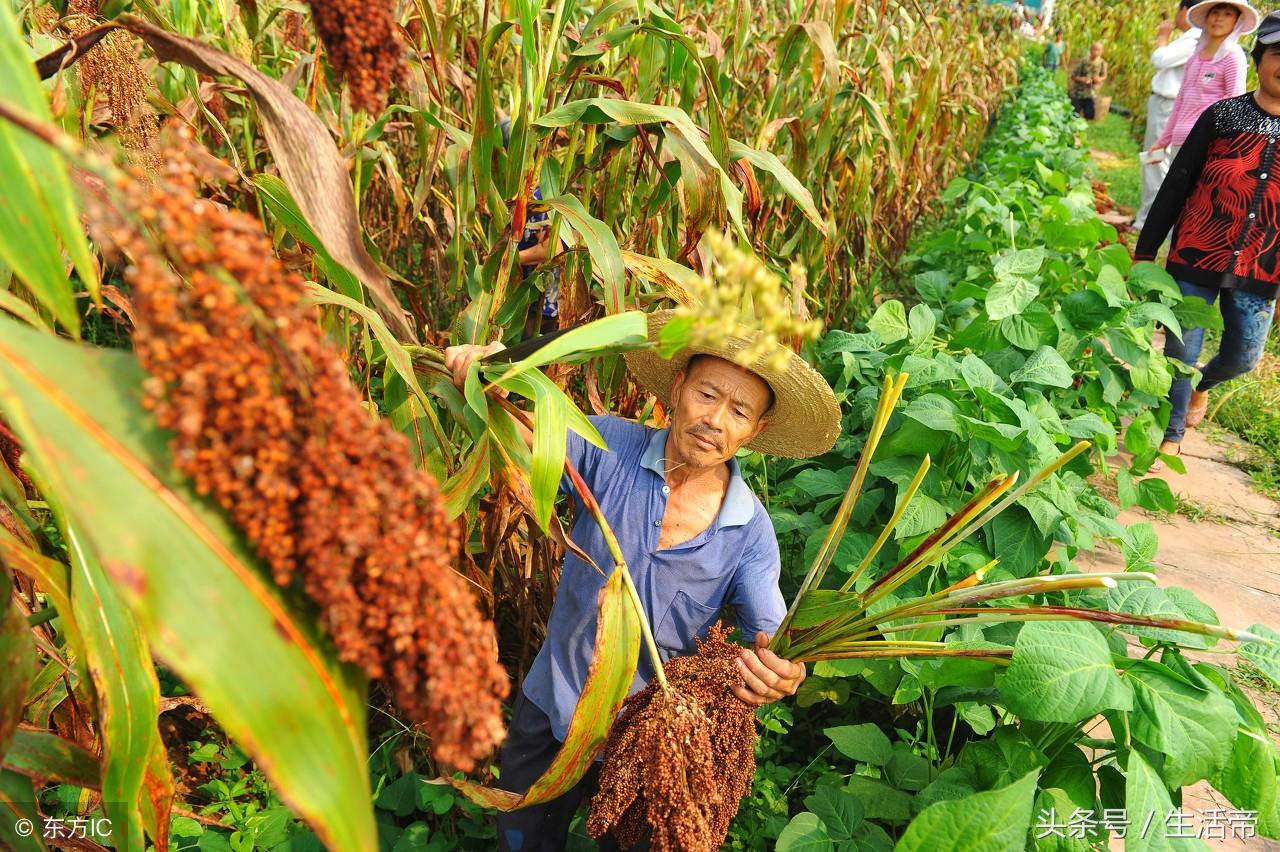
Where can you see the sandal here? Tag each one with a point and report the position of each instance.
(1197, 408)
(1158, 466)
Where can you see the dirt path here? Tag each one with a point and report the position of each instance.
(1223, 545)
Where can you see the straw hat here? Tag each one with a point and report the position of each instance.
(805, 418)
(1248, 15)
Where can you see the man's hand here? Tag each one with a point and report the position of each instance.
(768, 677)
(457, 359)
(1164, 31)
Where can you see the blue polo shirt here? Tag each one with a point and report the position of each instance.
(734, 561)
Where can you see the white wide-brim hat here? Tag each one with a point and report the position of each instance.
(1248, 15)
(805, 418)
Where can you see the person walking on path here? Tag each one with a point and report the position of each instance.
(1089, 73)
(1222, 200)
(1216, 69)
(1170, 60)
(1053, 52)
(693, 534)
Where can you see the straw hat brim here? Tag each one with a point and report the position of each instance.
(805, 418)
(1248, 15)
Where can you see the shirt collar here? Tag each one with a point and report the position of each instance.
(738, 506)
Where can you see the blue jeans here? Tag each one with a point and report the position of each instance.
(1246, 318)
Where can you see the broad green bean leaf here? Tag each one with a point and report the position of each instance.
(1248, 779)
(1140, 546)
(805, 833)
(613, 667)
(935, 411)
(1021, 333)
(1022, 262)
(1146, 312)
(921, 323)
(1044, 367)
(1148, 806)
(1155, 494)
(880, 801)
(1088, 426)
(978, 374)
(928, 371)
(1010, 295)
(1110, 286)
(601, 244)
(1195, 312)
(1062, 672)
(1194, 727)
(923, 515)
(1153, 602)
(186, 576)
(864, 743)
(1016, 541)
(890, 322)
(1002, 435)
(1147, 277)
(1264, 655)
(994, 821)
(1152, 376)
(933, 286)
(838, 809)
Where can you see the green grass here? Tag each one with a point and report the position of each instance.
(1115, 159)
(1250, 407)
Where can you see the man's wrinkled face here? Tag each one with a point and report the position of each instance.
(717, 407)
(1095, 50)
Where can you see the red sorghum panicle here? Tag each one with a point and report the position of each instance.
(677, 764)
(361, 40)
(267, 423)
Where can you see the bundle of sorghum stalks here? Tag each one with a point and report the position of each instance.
(361, 42)
(268, 424)
(679, 760)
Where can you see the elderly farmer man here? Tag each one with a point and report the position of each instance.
(694, 536)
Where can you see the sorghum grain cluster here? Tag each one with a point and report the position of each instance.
(363, 46)
(677, 764)
(111, 68)
(268, 424)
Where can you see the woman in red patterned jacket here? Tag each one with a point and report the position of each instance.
(1222, 200)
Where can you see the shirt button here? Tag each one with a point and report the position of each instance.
(666, 489)
(1253, 215)
(1237, 254)
(659, 523)
(1263, 175)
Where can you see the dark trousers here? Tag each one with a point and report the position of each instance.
(527, 753)
(1084, 106)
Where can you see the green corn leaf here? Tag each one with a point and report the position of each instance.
(38, 753)
(613, 666)
(38, 214)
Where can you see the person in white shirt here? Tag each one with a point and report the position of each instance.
(1170, 59)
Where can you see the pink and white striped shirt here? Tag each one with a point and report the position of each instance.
(1207, 81)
